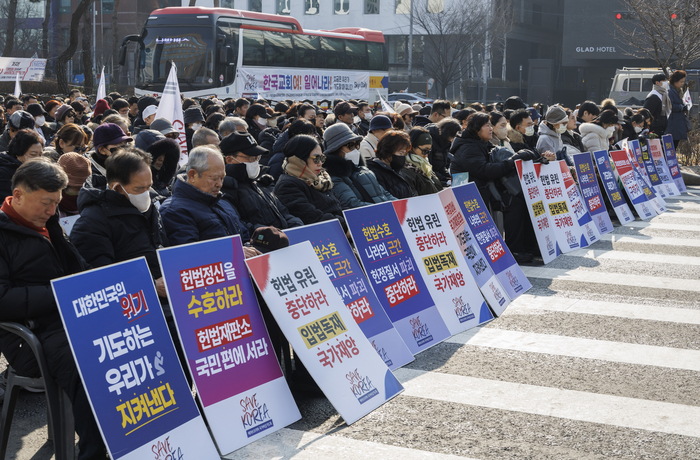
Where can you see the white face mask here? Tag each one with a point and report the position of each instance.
(368, 116)
(354, 156)
(610, 130)
(356, 119)
(272, 122)
(530, 131)
(253, 169)
(501, 133)
(40, 120)
(196, 126)
(637, 129)
(141, 201)
(561, 129)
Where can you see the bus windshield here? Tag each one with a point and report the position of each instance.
(192, 50)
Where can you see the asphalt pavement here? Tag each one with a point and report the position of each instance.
(599, 360)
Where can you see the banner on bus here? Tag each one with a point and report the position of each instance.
(338, 259)
(28, 69)
(592, 198)
(672, 162)
(395, 276)
(487, 236)
(128, 364)
(659, 160)
(607, 176)
(629, 181)
(300, 84)
(476, 260)
(533, 192)
(585, 221)
(229, 353)
(322, 331)
(451, 285)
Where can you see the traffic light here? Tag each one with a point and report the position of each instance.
(622, 15)
(674, 16)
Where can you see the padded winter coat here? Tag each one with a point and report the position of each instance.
(307, 203)
(354, 186)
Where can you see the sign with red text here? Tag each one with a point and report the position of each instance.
(567, 231)
(657, 156)
(477, 262)
(322, 331)
(617, 199)
(334, 252)
(128, 364)
(649, 168)
(533, 192)
(591, 195)
(451, 285)
(635, 191)
(229, 353)
(585, 221)
(672, 162)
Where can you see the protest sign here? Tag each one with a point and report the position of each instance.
(649, 168)
(487, 236)
(27, 69)
(170, 108)
(460, 179)
(634, 190)
(672, 162)
(229, 354)
(619, 204)
(340, 264)
(481, 270)
(635, 158)
(395, 277)
(451, 285)
(533, 192)
(592, 197)
(322, 331)
(128, 364)
(657, 156)
(567, 231)
(655, 200)
(585, 221)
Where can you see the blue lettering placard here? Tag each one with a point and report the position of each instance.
(590, 192)
(339, 261)
(619, 204)
(672, 162)
(128, 363)
(393, 272)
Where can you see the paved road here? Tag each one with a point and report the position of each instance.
(600, 360)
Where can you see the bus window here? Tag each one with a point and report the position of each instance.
(624, 84)
(253, 48)
(375, 52)
(307, 50)
(333, 52)
(355, 54)
(647, 85)
(635, 84)
(278, 49)
(230, 31)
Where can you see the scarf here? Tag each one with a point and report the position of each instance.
(19, 220)
(296, 167)
(420, 163)
(662, 92)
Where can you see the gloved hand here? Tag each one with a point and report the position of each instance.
(525, 155)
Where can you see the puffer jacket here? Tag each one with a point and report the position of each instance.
(573, 142)
(307, 203)
(390, 179)
(422, 184)
(110, 229)
(548, 140)
(255, 200)
(438, 157)
(268, 137)
(676, 120)
(354, 186)
(8, 167)
(594, 137)
(191, 215)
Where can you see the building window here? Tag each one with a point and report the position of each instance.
(371, 6)
(536, 14)
(255, 5)
(436, 6)
(311, 7)
(403, 6)
(107, 6)
(226, 3)
(283, 7)
(341, 6)
(64, 7)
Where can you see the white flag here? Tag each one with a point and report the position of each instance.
(18, 87)
(101, 91)
(687, 100)
(170, 108)
(385, 105)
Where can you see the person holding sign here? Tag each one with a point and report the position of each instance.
(33, 251)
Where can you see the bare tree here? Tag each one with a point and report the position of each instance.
(87, 50)
(45, 30)
(10, 31)
(68, 53)
(666, 31)
(115, 40)
(451, 34)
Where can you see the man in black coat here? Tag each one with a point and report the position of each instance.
(33, 251)
(659, 105)
(249, 191)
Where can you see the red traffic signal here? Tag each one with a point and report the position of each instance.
(618, 16)
(674, 16)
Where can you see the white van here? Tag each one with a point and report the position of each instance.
(631, 85)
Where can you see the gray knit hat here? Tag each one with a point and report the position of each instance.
(555, 115)
(337, 136)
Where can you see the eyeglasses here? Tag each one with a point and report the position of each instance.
(424, 151)
(113, 150)
(353, 145)
(243, 158)
(319, 159)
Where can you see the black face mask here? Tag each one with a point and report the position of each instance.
(397, 162)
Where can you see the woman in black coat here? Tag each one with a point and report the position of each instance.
(676, 120)
(305, 188)
(391, 158)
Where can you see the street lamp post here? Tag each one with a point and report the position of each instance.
(410, 47)
(520, 85)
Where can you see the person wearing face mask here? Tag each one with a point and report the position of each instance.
(658, 103)
(107, 139)
(571, 138)
(194, 120)
(417, 170)
(165, 154)
(256, 116)
(268, 136)
(390, 160)
(353, 184)
(521, 130)
(364, 111)
(78, 169)
(500, 131)
(444, 132)
(551, 129)
(634, 127)
(596, 134)
(297, 127)
(676, 126)
(41, 127)
(249, 189)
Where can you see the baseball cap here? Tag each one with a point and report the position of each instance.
(164, 126)
(256, 109)
(268, 239)
(241, 142)
(150, 110)
(344, 107)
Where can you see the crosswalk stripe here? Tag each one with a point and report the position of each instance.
(646, 355)
(303, 445)
(595, 307)
(683, 215)
(655, 240)
(618, 279)
(664, 226)
(684, 197)
(606, 254)
(553, 402)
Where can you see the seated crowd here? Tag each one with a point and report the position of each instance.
(253, 167)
